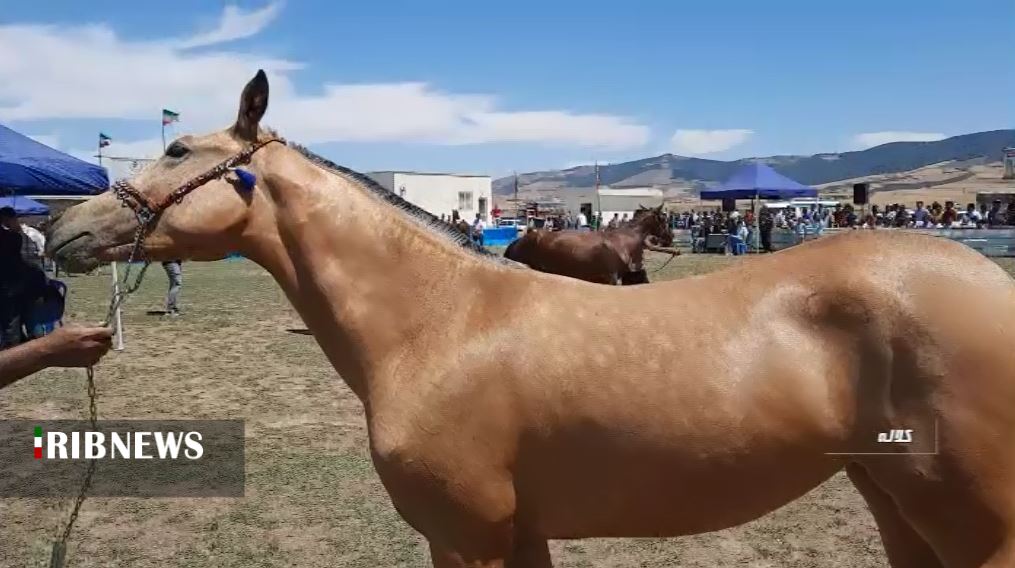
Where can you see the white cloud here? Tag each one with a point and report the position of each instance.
(234, 24)
(87, 72)
(871, 139)
(416, 112)
(708, 141)
(49, 72)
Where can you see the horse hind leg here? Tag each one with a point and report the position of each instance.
(903, 545)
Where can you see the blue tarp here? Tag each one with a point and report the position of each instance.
(28, 167)
(499, 236)
(759, 180)
(24, 206)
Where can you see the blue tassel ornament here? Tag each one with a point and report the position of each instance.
(246, 178)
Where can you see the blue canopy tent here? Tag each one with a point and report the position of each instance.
(24, 206)
(28, 167)
(757, 181)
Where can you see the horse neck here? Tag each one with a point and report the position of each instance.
(365, 278)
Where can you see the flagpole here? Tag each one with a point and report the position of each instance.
(163, 134)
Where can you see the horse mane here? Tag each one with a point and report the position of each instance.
(423, 217)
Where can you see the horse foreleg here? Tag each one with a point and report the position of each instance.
(904, 546)
(529, 552)
(447, 558)
(526, 552)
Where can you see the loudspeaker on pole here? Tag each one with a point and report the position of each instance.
(860, 193)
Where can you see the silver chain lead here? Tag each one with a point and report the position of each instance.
(118, 295)
(146, 217)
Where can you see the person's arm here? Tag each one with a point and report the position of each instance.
(65, 347)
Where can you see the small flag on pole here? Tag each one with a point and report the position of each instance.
(104, 140)
(169, 116)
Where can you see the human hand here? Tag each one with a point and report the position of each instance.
(76, 346)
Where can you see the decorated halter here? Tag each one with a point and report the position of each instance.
(147, 212)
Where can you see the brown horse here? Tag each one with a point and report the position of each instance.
(537, 413)
(613, 256)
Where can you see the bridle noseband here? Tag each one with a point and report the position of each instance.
(147, 213)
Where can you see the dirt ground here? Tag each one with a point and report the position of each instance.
(312, 499)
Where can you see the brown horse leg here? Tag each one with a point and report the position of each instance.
(446, 558)
(905, 548)
(965, 523)
(530, 552)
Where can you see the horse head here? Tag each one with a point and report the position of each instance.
(208, 225)
(653, 222)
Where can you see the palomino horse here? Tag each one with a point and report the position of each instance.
(605, 257)
(532, 415)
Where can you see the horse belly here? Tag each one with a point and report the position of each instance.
(675, 461)
(651, 495)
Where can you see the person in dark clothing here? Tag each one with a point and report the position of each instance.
(995, 217)
(21, 285)
(765, 225)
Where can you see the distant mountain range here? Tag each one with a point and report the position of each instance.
(680, 174)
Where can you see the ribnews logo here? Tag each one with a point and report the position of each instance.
(128, 446)
(132, 458)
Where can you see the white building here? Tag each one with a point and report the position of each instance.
(440, 194)
(611, 200)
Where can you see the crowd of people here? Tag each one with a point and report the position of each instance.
(817, 217)
(814, 219)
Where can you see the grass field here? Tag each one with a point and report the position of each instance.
(312, 499)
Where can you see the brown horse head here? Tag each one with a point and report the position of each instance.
(653, 222)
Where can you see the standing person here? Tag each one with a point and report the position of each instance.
(21, 285)
(30, 251)
(174, 271)
(39, 240)
(478, 226)
(921, 215)
(973, 217)
(949, 215)
(582, 222)
(765, 224)
(994, 217)
(614, 222)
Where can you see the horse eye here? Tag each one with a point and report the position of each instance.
(177, 150)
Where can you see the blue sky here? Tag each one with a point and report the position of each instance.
(495, 87)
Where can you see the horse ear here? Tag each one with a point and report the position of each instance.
(253, 104)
